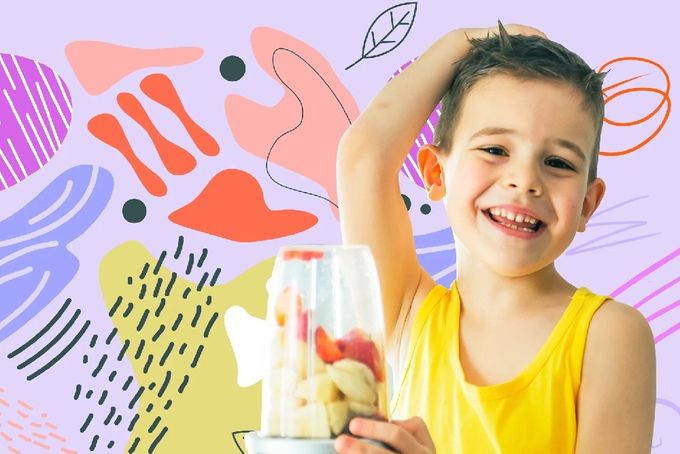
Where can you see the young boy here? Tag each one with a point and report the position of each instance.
(512, 358)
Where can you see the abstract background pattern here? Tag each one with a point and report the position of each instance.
(152, 163)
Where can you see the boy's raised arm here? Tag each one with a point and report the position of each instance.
(370, 155)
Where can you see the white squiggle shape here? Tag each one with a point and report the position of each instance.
(52, 208)
(247, 335)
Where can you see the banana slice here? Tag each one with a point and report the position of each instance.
(360, 408)
(352, 381)
(318, 388)
(310, 421)
(356, 367)
(337, 416)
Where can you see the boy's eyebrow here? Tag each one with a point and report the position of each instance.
(564, 143)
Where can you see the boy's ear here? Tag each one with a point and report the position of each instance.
(594, 196)
(431, 171)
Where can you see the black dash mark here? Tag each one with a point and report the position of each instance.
(127, 383)
(145, 269)
(211, 322)
(134, 445)
(201, 259)
(133, 422)
(199, 350)
(158, 333)
(142, 320)
(158, 439)
(93, 445)
(142, 292)
(168, 404)
(190, 265)
(129, 280)
(51, 343)
(149, 359)
(123, 349)
(178, 320)
(215, 276)
(134, 399)
(160, 307)
(180, 243)
(186, 292)
(83, 428)
(128, 309)
(108, 418)
(61, 353)
(157, 289)
(102, 398)
(100, 365)
(149, 407)
(140, 348)
(77, 393)
(152, 385)
(161, 390)
(208, 300)
(93, 341)
(182, 348)
(43, 330)
(154, 424)
(159, 263)
(183, 385)
(168, 289)
(114, 308)
(197, 315)
(168, 349)
(118, 419)
(112, 375)
(111, 335)
(89, 394)
(201, 283)
(111, 443)
(85, 359)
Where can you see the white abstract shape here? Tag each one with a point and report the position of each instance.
(247, 335)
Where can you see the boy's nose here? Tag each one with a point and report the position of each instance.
(525, 180)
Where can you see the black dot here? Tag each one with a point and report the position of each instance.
(407, 201)
(232, 68)
(425, 208)
(134, 211)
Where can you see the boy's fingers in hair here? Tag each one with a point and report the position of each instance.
(519, 29)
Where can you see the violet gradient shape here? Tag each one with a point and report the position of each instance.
(35, 264)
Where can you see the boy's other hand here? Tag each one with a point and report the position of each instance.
(408, 436)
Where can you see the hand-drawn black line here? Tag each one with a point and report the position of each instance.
(42, 331)
(160, 307)
(208, 300)
(201, 259)
(134, 444)
(110, 444)
(149, 407)
(157, 288)
(85, 359)
(158, 439)
(201, 283)
(180, 243)
(142, 292)
(102, 398)
(159, 263)
(101, 363)
(51, 343)
(127, 383)
(158, 333)
(118, 419)
(128, 309)
(168, 404)
(61, 354)
(161, 390)
(213, 281)
(112, 375)
(190, 264)
(183, 385)
(178, 320)
(76, 395)
(182, 347)
(403, 9)
(197, 356)
(149, 360)
(197, 315)
(89, 393)
(140, 348)
(302, 116)
(137, 395)
(239, 432)
(111, 335)
(93, 340)
(142, 320)
(83, 428)
(165, 355)
(108, 418)
(126, 345)
(168, 289)
(145, 269)
(186, 292)
(208, 327)
(154, 424)
(114, 308)
(93, 445)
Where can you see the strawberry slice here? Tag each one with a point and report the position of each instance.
(287, 303)
(326, 348)
(303, 326)
(302, 255)
(357, 345)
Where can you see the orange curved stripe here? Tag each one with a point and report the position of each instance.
(106, 128)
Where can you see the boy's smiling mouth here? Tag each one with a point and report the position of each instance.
(521, 225)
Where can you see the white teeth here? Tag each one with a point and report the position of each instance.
(512, 216)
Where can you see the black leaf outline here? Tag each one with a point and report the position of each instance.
(402, 10)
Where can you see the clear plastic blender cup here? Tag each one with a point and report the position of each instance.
(325, 361)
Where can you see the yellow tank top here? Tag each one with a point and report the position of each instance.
(533, 413)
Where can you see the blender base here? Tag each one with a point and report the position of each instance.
(258, 444)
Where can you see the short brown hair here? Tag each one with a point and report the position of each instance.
(527, 58)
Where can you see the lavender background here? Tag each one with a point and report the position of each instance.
(598, 31)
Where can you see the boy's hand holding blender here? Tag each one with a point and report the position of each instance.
(372, 210)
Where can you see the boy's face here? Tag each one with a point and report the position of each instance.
(531, 167)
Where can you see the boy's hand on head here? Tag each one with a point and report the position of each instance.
(408, 436)
(512, 29)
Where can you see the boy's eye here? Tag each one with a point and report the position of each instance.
(553, 162)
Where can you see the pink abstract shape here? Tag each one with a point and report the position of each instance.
(99, 65)
(301, 132)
